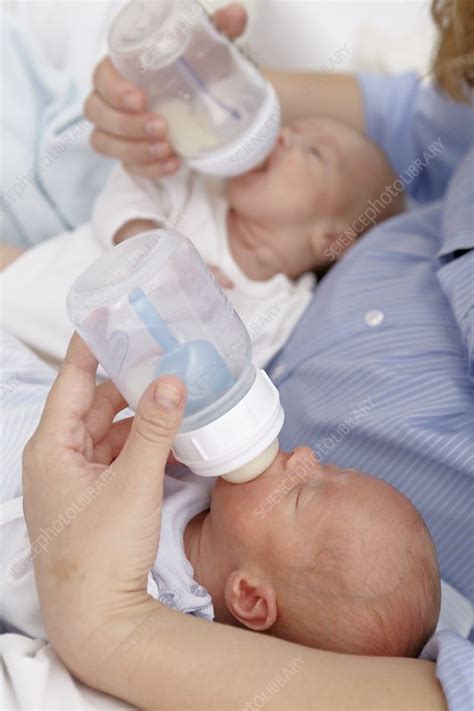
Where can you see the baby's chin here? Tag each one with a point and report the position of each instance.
(226, 500)
(258, 261)
(250, 178)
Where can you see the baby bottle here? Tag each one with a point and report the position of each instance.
(150, 307)
(223, 116)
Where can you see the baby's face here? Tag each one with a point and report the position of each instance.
(274, 514)
(307, 181)
(280, 515)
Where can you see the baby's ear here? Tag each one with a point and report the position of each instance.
(251, 600)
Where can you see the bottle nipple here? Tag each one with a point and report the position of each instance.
(254, 468)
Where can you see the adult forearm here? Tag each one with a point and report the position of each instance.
(172, 661)
(307, 94)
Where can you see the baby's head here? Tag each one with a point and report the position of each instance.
(329, 558)
(314, 193)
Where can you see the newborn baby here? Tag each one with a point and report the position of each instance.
(330, 558)
(287, 215)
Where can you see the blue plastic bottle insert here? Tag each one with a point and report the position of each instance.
(197, 363)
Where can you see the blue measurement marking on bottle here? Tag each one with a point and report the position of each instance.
(205, 90)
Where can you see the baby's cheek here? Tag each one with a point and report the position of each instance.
(264, 510)
(305, 194)
(290, 201)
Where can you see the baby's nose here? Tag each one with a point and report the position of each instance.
(285, 139)
(304, 459)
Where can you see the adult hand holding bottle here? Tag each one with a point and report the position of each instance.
(92, 578)
(125, 129)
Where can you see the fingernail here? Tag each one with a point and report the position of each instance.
(158, 150)
(167, 396)
(154, 127)
(132, 102)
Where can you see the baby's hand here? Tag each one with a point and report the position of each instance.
(220, 277)
(133, 227)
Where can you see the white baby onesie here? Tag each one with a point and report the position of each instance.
(185, 495)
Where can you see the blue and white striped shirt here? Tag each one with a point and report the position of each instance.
(379, 373)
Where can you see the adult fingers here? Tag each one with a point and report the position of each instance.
(112, 443)
(108, 402)
(73, 391)
(159, 414)
(130, 151)
(106, 451)
(115, 90)
(123, 123)
(154, 170)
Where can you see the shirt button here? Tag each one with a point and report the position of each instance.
(374, 317)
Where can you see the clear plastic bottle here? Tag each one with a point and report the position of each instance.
(150, 307)
(223, 116)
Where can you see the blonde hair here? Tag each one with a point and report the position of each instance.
(453, 64)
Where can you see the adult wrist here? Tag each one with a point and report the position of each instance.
(105, 647)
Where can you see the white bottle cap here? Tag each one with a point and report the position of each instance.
(242, 442)
(250, 148)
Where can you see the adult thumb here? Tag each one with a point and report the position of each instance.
(154, 427)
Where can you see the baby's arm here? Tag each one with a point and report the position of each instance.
(134, 227)
(126, 206)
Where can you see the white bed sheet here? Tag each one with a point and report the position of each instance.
(33, 677)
